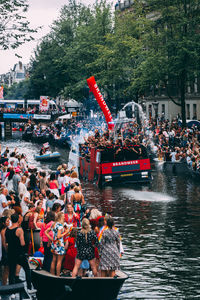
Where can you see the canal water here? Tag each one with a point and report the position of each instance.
(160, 226)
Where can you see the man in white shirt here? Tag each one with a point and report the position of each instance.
(13, 160)
(4, 203)
(25, 202)
(22, 187)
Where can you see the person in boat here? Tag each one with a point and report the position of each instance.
(45, 149)
(57, 245)
(77, 200)
(42, 151)
(48, 222)
(56, 208)
(53, 185)
(71, 251)
(14, 242)
(4, 224)
(109, 250)
(86, 242)
(71, 218)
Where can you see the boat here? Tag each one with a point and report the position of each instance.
(48, 156)
(103, 169)
(73, 159)
(53, 287)
(176, 167)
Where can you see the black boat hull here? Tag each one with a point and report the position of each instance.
(54, 288)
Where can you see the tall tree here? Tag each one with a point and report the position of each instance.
(63, 60)
(171, 47)
(14, 27)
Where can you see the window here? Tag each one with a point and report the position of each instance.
(188, 111)
(20, 75)
(194, 111)
(163, 109)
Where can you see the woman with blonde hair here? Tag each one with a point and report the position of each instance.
(86, 242)
(57, 245)
(74, 178)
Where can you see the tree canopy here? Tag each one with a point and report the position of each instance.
(14, 27)
(154, 46)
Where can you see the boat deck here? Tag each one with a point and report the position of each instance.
(119, 274)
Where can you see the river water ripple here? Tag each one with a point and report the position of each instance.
(160, 226)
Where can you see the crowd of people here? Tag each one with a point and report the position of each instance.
(70, 130)
(33, 109)
(176, 144)
(127, 146)
(76, 239)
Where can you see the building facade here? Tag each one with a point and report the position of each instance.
(15, 75)
(155, 101)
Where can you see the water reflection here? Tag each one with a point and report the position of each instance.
(160, 228)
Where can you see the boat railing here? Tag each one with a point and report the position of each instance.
(18, 288)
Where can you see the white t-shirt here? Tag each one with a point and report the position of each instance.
(15, 161)
(74, 180)
(61, 181)
(66, 180)
(22, 189)
(9, 184)
(2, 200)
(24, 204)
(173, 156)
(69, 194)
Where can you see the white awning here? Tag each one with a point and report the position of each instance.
(65, 117)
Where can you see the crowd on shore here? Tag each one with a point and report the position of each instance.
(75, 238)
(176, 144)
(168, 140)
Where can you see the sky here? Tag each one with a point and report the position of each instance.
(40, 13)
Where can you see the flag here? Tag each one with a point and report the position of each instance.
(1, 92)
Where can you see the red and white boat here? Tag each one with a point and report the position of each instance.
(102, 173)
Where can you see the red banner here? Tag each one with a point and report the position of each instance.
(97, 94)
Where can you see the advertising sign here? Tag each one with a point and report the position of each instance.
(44, 103)
(41, 117)
(16, 116)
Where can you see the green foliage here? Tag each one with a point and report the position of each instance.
(155, 44)
(14, 27)
(17, 91)
(62, 61)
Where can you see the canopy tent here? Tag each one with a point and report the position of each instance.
(65, 117)
(72, 103)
